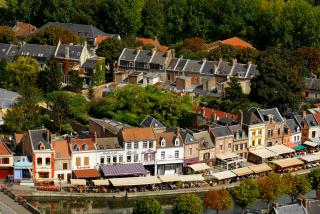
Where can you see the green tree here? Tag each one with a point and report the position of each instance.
(296, 186)
(271, 187)
(153, 18)
(187, 204)
(51, 10)
(111, 50)
(314, 179)
(246, 193)
(3, 73)
(7, 35)
(218, 200)
(225, 52)
(147, 205)
(51, 78)
(51, 36)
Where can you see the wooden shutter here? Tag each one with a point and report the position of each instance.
(86, 161)
(78, 161)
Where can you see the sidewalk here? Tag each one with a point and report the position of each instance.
(9, 206)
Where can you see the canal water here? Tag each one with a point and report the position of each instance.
(122, 206)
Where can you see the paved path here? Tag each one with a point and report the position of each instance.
(9, 206)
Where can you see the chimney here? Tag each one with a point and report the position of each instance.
(177, 132)
(95, 137)
(66, 52)
(303, 114)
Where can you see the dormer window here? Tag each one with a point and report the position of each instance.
(84, 147)
(130, 64)
(41, 146)
(76, 147)
(176, 142)
(163, 143)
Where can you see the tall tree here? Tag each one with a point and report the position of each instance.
(246, 193)
(218, 200)
(147, 205)
(153, 18)
(51, 78)
(4, 76)
(271, 187)
(187, 204)
(296, 186)
(7, 35)
(314, 178)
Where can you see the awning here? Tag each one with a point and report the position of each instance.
(310, 158)
(134, 181)
(263, 153)
(101, 182)
(280, 149)
(86, 173)
(223, 175)
(227, 156)
(135, 169)
(288, 162)
(78, 182)
(291, 145)
(310, 143)
(242, 171)
(190, 178)
(300, 147)
(199, 167)
(260, 168)
(169, 178)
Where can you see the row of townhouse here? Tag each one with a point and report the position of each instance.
(71, 59)
(149, 67)
(154, 147)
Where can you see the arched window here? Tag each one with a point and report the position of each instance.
(84, 147)
(76, 147)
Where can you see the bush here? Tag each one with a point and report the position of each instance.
(187, 204)
(147, 205)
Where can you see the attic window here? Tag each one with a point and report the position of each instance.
(176, 142)
(130, 64)
(76, 147)
(163, 143)
(41, 146)
(84, 147)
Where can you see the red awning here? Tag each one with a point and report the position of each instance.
(86, 173)
(291, 145)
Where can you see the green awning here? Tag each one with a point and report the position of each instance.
(298, 148)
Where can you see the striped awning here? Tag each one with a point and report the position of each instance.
(134, 169)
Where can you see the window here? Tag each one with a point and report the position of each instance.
(221, 147)
(145, 145)
(168, 77)
(163, 155)
(163, 143)
(102, 160)
(206, 156)
(84, 147)
(229, 145)
(241, 146)
(43, 174)
(78, 161)
(39, 161)
(48, 161)
(65, 165)
(313, 135)
(136, 145)
(279, 131)
(129, 158)
(176, 142)
(4, 160)
(176, 154)
(76, 147)
(129, 146)
(86, 161)
(259, 142)
(150, 144)
(145, 157)
(190, 151)
(135, 158)
(237, 147)
(114, 159)
(108, 159)
(130, 64)
(120, 158)
(259, 132)
(61, 176)
(269, 133)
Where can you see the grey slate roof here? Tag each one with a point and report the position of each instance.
(236, 128)
(240, 70)
(209, 67)
(128, 54)
(193, 66)
(290, 209)
(111, 125)
(204, 136)
(299, 119)
(41, 52)
(224, 68)
(159, 58)
(90, 64)
(187, 137)
(144, 56)
(312, 84)
(221, 131)
(149, 121)
(181, 64)
(173, 64)
(292, 125)
(4, 49)
(311, 121)
(74, 51)
(85, 31)
(38, 136)
(273, 111)
(7, 98)
(253, 71)
(251, 117)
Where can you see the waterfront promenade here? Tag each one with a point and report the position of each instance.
(9, 206)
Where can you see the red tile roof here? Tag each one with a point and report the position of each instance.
(155, 43)
(86, 173)
(61, 149)
(209, 113)
(99, 39)
(169, 137)
(317, 105)
(237, 42)
(23, 29)
(138, 134)
(81, 142)
(4, 150)
(317, 117)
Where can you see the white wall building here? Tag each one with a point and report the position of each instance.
(83, 153)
